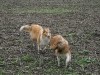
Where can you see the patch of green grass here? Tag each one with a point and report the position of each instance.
(27, 57)
(3, 4)
(1, 59)
(65, 35)
(46, 11)
(82, 61)
(2, 72)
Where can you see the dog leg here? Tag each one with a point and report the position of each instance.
(38, 43)
(58, 59)
(68, 58)
(44, 48)
(33, 45)
(33, 41)
(38, 49)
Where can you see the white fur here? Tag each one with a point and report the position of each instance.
(58, 59)
(22, 28)
(67, 56)
(67, 42)
(43, 42)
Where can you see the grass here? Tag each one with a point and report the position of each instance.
(82, 61)
(47, 10)
(15, 61)
(84, 52)
(71, 35)
(27, 58)
(2, 62)
(1, 58)
(2, 72)
(65, 35)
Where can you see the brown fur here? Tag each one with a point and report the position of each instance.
(37, 33)
(60, 46)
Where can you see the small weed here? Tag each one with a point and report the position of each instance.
(1, 59)
(2, 63)
(15, 61)
(48, 70)
(64, 35)
(2, 72)
(92, 33)
(71, 36)
(3, 4)
(27, 58)
(95, 61)
(20, 73)
(16, 41)
(84, 52)
(34, 68)
(70, 69)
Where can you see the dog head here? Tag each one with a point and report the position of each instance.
(46, 33)
(57, 42)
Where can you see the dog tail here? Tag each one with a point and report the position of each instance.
(26, 28)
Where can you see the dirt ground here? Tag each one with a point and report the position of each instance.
(81, 28)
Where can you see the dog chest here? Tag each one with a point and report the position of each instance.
(44, 41)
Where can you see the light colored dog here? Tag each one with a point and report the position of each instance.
(39, 34)
(61, 48)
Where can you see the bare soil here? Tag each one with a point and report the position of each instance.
(81, 29)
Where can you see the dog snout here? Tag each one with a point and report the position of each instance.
(48, 36)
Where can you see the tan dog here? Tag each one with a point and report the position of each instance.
(37, 33)
(61, 48)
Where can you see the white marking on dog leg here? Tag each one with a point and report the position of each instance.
(38, 49)
(44, 48)
(58, 59)
(33, 45)
(68, 58)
